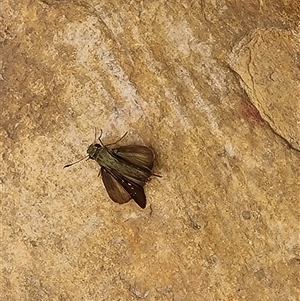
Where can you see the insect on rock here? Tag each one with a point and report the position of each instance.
(124, 170)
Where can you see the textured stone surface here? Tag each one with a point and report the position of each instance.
(268, 65)
(212, 87)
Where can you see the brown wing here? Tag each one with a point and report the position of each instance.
(138, 155)
(121, 190)
(114, 189)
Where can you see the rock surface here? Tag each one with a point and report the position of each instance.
(213, 88)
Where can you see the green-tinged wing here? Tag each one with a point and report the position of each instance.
(121, 190)
(138, 155)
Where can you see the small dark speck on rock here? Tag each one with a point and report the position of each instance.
(246, 214)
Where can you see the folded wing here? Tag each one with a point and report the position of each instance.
(137, 155)
(121, 190)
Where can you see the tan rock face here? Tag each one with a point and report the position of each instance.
(268, 65)
(213, 88)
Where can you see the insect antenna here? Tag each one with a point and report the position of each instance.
(85, 157)
(117, 140)
(99, 138)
